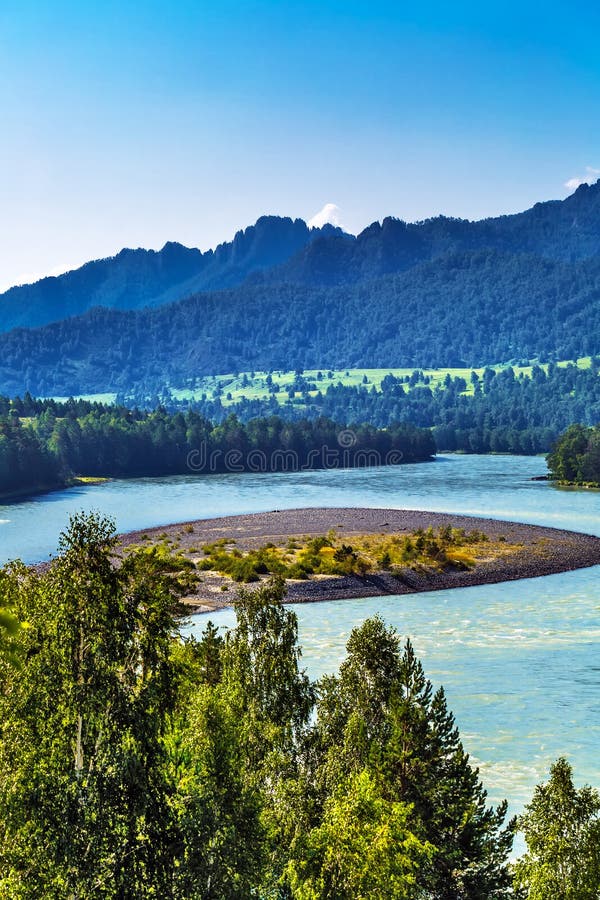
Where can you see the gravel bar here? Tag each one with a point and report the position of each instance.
(542, 551)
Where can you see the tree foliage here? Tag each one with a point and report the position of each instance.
(83, 801)
(136, 763)
(510, 413)
(381, 715)
(561, 825)
(364, 848)
(61, 440)
(575, 456)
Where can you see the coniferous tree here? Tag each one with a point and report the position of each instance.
(381, 715)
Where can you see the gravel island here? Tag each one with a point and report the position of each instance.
(531, 550)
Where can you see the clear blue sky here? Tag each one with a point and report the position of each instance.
(130, 124)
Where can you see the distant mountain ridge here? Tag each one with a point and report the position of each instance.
(466, 309)
(444, 292)
(134, 279)
(565, 230)
(280, 249)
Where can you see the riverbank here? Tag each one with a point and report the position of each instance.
(40, 490)
(531, 550)
(17, 496)
(587, 485)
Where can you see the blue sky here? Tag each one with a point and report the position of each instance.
(130, 124)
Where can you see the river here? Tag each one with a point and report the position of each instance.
(520, 661)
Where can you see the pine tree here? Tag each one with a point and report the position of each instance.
(381, 715)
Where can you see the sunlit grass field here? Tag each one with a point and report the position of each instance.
(253, 385)
(231, 388)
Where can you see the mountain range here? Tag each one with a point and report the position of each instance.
(134, 279)
(442, 292)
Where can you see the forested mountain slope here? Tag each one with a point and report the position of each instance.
(281, 250)
(466, 309)
(443, 292)
(137, 278)
(566, 230)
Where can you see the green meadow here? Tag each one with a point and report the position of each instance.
(231, 388)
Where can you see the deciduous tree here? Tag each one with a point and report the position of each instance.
(561, 825)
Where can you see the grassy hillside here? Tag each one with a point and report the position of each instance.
(231, 389)
(253, 385)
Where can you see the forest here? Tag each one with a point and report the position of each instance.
(575, 457)
(464, 310)
(43, 444)
(503, 412)
(137, 763)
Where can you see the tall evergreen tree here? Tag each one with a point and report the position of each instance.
(381, 715)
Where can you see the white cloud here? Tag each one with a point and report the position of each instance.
(329, 215)
(591, 175)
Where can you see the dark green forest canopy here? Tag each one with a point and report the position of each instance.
(575, 457)
(505, 412)
(463, 310)
(44, 444)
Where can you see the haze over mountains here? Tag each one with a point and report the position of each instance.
(138, 278)
(443, 292)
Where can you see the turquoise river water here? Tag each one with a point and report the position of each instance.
(520, 661)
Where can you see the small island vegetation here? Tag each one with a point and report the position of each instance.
(575, 457)
(335, 554)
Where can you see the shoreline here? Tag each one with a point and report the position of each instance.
(542, 551)
(24, 494)
(580, 485)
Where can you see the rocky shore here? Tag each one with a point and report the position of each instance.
(539, 550)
